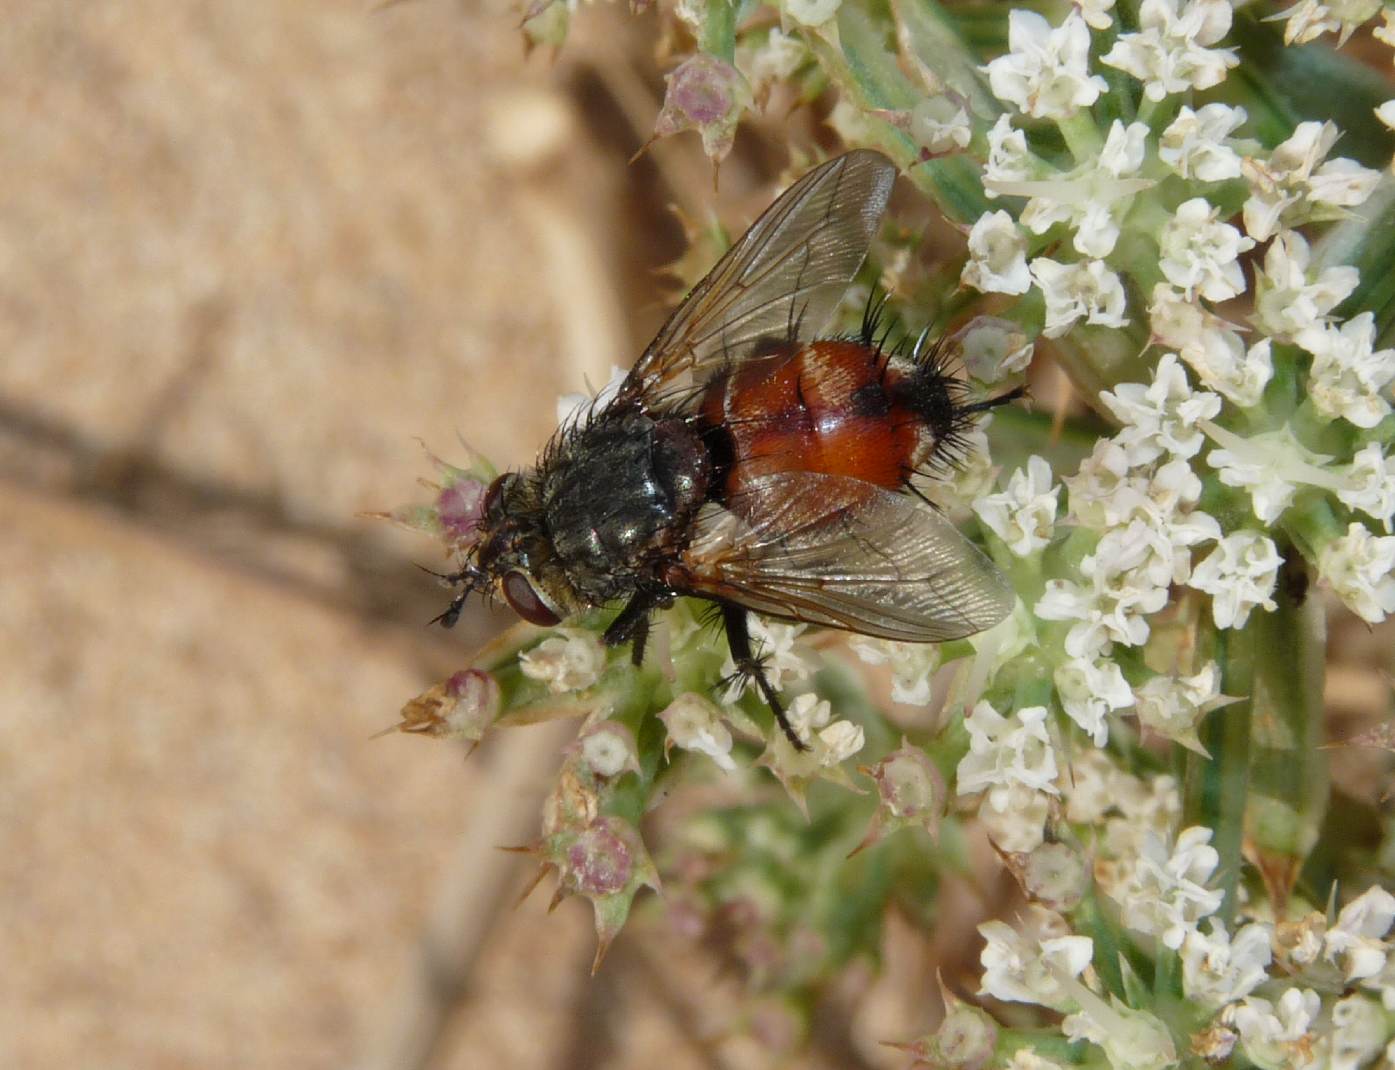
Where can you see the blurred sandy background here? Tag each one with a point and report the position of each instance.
(248, 251)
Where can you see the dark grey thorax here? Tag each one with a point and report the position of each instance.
(619, 493)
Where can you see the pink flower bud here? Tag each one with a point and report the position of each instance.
(460, 507)
(600, 862)
(910, 791)
(708, 95)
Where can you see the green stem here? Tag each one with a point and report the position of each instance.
(1288, 771)
(719, 30)
(1216, 788)
(1082, 135)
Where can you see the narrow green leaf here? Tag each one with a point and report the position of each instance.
(1366, 241)
(937, 43)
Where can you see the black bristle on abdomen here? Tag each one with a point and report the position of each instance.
(917, 375)
(936, 399)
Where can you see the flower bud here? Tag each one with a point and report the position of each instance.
(599, 863)
(569, 660)
(708, 95)
(1056, 875)
(966, 1039)
(607, 749)
(606, 862)
(910, 792)
(461, 707)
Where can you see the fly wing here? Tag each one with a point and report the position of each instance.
(837, 551)
(782, 279)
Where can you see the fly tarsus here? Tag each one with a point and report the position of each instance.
(749, 666)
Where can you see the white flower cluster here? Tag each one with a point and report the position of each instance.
(1333, 1009)
(1209, 363)
(1328, 990)
(1012, 761)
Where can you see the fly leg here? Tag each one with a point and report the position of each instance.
(631, 625)
(451, 579)
(749, 666)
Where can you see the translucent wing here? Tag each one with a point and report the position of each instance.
(784, 277)
(837, 551)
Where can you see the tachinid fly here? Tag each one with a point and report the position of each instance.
(751, 459)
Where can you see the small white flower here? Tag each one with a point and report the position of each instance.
(1096, 13)
(1310, 19)
(1385, 32)
(940, 124)
(993, 349)
(570, 660)
(1024, 514)
(1165, 894)
(1088, 690)
(1026, 1058)
(842, 739)
(1217, 970)
(1386, 113)
(829, 742)
(1102, 491)
(1015, 819)
(997, 256)
(1161, 417)
(767, 63)
(1270, 466)
(696, 724)
(1107, 492)
(1172, 706)
(1211, 346)
(1276, 1036)
(1027, 966)
(1290, 188)
(1289, 298)
(1126, 580)
(1087, 288)
(1096, 787)
(1357, 938)
(1200, 254)
(1194, 143)
(1091, 198)
(1359, 1032)
(1171, 53)
(572, 406)
(1046, 72)
(1239, 574)
(1369, 484)
(1005, 751)
(1009, 159)
(913, 665)
(812, 12)
(608, 749)
(1349, 375)
(1358, 566)
(1057, 875)
(1238, 375)
(1131, 1039)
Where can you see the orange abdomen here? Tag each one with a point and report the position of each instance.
(814, 407)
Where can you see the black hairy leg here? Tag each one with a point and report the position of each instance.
(631, 625)
(748, 666)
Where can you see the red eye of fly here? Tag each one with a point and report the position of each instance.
(519, 593)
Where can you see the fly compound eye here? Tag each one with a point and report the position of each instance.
(519, 593)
